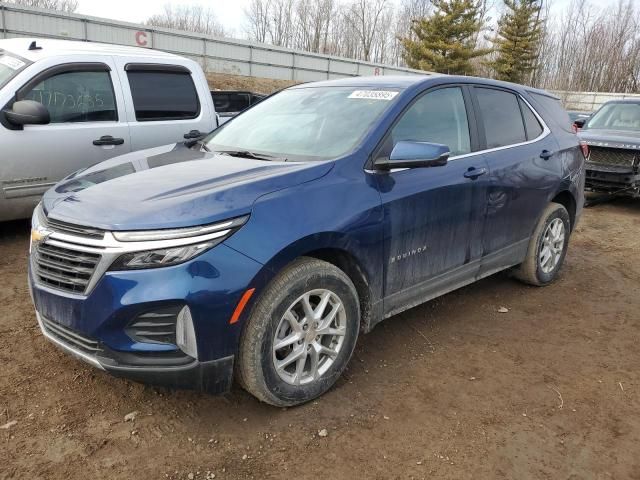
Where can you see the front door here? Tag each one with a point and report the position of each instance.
(433, 216)
(88, 125)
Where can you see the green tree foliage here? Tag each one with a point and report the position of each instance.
(445, 42)
(517, 42)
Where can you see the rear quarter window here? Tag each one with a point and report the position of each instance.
(552, 108)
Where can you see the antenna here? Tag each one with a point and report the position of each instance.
(33, 46)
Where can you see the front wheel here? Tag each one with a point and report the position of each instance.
(547, 247)
(300, 335)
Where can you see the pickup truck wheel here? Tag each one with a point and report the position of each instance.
(300, 334)
(547, 247)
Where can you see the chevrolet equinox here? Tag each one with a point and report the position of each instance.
(261, 251)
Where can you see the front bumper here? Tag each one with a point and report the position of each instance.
(214, 376)
(94, 328)
(612, 179)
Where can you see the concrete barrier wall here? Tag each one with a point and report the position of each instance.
(590, 101)
(214, 54)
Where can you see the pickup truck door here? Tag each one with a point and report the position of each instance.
(433, 216)
(88, 125)
(167, 101)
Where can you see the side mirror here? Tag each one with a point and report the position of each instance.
(415, 155)
(579, 123)
(27, 112)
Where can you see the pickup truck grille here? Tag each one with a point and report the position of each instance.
(614, 156)
(68, 336)
(63, 268)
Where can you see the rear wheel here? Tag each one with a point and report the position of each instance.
(300, 335)
(547, 247)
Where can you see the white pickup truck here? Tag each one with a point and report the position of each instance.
(68, 105)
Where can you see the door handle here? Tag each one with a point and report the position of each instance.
(194, 134)
(474, 172)
(546, 154)
(108, 140)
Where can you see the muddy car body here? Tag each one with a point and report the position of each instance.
(305, 220)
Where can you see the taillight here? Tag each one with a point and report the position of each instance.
(585, 149)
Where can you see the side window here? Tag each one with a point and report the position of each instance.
(163, 95)
(76, 97)
(437, 117)
(534, 129)
(501, 116)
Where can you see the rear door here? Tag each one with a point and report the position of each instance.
(88, 125)
(433, 216)
(521, 153)
(166, 103)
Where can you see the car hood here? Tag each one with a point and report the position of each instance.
(171, 186)
(611, 138)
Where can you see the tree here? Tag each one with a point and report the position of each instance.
(445, 42)
(66, 6)
(519, 34)
(194, 18)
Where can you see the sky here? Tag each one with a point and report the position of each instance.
(230, 12)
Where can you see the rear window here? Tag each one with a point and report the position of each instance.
(554, 109)
(163, 95)
(501, 116)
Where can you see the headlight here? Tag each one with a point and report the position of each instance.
(175, 246)
(160, 258)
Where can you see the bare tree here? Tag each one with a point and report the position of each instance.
(257, 15)
(66, 6)
(194, 18)
(366, 17)
(588, 49)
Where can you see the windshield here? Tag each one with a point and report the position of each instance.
(9, 67)
(617, 116)
(304, 124)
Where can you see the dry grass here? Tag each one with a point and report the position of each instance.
(223, 81)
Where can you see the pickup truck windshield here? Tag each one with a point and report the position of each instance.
(617, 116)
(304, 124)
(9, 67)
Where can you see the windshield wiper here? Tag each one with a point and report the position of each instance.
(248, 154)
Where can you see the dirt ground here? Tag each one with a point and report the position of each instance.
(449, 390)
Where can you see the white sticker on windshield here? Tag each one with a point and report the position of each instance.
(373, 94)
(12, 63)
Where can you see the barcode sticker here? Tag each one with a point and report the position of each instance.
(374, 94)
(12, 63)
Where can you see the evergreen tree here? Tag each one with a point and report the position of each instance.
(517, 42)
(445, 42)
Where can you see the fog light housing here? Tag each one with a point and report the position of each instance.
(185, 333)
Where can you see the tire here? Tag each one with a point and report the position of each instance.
(538, 268)
(273, 321)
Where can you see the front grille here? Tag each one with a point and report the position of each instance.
(71, 229)
(614, 156)
(63, 268)
(68, 336)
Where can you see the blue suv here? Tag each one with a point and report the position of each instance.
(261, 251)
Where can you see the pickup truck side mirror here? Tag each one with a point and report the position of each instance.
(27, 112)
(415, 155)
(579, 123)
